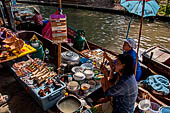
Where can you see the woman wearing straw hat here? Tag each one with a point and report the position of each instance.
(38, 20)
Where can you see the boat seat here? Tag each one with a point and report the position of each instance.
(160, 55)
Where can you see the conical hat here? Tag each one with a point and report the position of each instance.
(36, 10)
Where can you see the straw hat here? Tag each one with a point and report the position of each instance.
(36, 10)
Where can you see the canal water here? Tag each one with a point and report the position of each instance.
(108, 30)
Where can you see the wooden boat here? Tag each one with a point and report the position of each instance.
(144, 94)
(158, 59)
(27, 35)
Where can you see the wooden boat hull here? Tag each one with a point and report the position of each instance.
(26, 35)
(160, 61)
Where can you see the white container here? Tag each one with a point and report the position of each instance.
(144, 105)
(89, 74)
(79, 76)
(85, 87)
(73, 85)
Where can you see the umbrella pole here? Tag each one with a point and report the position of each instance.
(140, 30)
(129, 27)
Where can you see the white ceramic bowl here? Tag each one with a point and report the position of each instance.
(77, 69)
(73, 85)
(89, 74)
(144, 105)
(79, 76)
(85, 87)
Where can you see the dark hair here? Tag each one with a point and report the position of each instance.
(129, 65)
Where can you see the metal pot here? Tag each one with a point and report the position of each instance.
(69, 104)
(70, 56)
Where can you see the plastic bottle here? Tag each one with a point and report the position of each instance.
(47, 52)
(69, 78)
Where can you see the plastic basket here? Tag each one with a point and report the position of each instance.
(48, 101)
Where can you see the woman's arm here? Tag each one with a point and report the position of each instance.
(111, 63)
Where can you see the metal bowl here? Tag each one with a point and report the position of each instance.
(69, 104)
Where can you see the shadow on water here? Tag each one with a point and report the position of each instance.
(109, 30)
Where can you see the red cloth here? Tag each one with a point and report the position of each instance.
(47, 31)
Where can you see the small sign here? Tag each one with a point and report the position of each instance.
(59, 28)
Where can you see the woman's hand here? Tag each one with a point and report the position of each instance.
(103, 100)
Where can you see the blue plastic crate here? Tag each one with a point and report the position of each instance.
(47, 101)
(50, 99)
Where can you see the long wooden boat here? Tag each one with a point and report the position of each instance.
(27, 35)
(158, 59)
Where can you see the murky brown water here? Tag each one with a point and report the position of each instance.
(108, 30)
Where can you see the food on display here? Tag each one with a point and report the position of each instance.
(99, 76)
(85, 87)
(96, 54)
(37, 69)
(9, 44)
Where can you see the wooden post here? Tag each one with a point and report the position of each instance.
(59, 57)
(2, 15)
(59, 49)
(59, 3)
(140, 30)
(9, 15)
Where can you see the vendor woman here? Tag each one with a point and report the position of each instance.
(120, 96)
(128, 47)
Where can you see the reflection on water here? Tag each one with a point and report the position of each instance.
(108, 30)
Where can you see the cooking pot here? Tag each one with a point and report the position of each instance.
(69, 104)
(70, 56)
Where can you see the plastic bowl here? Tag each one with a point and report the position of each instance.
(164, 109)
(84, 60)
(85, 87)
(154, 107)
(144, 105)
(98, 77)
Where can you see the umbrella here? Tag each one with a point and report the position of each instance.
(142, 8)
(135, 6)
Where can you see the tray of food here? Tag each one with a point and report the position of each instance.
(40, 81)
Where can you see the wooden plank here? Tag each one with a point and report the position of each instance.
(156, 53)
(162, 58)
(55, 24)
(59, 28)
